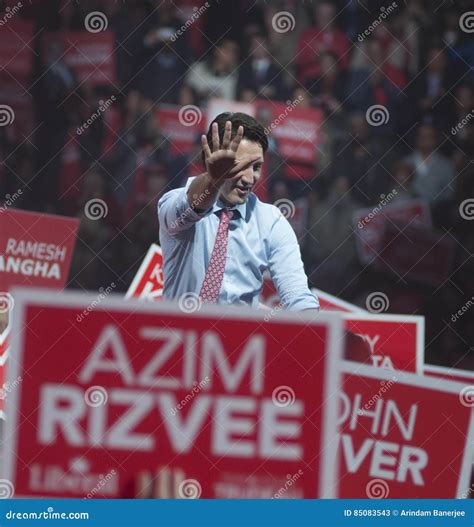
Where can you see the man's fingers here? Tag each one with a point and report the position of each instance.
(215, 137)
(205, 146)
(144, 489)
(237, 138)
(227, 135)
(178, 478)
(163, 484)
(244, 164)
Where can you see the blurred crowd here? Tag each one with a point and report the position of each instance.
(416, 61)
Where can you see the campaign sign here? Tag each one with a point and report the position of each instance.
(245, 407)
(329, 302)
(420, 254)
(396, 342)
(35, 249)
(149, 281)
(182, 127)
(90, 55)
(403, 435)
(372, 223)
(453, 374)
(16, 49)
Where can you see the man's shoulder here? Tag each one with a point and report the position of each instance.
(269, 211)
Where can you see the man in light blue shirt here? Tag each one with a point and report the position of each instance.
(218, 238)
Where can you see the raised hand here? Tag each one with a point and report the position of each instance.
(222, 162)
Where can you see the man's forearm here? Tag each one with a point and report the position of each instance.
(203, 192)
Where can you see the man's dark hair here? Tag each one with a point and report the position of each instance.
(253, 130)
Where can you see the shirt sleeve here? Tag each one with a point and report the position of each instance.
(175, 214)
(286, 268)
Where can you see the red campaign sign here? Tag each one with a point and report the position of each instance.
(182, 128)
(149, 281)
(35, 249)
(451, 374)
(328, 302)
(395, 432)
(90, 55)
(146, 385)
(371, 224)
(16, 48)
(296, 129)
(396, 342)
(419, 253)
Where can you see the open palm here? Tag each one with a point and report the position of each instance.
(222, 162)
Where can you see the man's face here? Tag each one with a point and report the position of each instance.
(236, 191)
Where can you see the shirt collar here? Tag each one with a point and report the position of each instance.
(241, 208)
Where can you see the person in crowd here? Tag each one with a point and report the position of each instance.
(428, 94)
(363, 158)
(323, 37)
(57, 105)
(217, 214)
(217, 75)
(260, 73)
(164, 57)
(433, 177)
(330, 243)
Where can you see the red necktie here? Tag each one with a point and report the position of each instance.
(212, 283)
